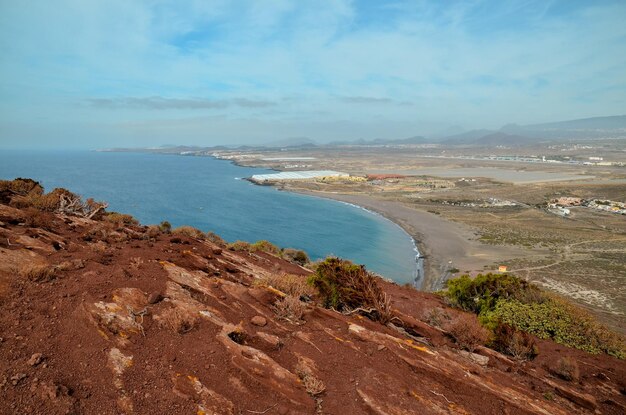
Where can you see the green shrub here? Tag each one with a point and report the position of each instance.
(561, 321)
(345, 286)
(165, 227)
(265, 246)
(483, 292)
(239, 246)
(505, 299)
(296, 256)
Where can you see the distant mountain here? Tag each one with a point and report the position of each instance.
(418, 139)
(490, 138)
(467, 137)
(595, 127)
(292, 142)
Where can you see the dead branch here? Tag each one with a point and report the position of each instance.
(262, 412)
(422, 340)
(442, 395)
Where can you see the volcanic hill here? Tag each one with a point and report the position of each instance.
(101, 315)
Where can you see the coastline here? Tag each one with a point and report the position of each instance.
(441, 243)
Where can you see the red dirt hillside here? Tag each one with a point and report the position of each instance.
(103, 316)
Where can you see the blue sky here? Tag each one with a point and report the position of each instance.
(87, 73)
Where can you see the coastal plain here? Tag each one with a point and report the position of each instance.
(471, 211)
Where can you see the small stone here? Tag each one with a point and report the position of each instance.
(155, 297)
(380, 347)
(18, 378)
(35, 359)
(258, 321)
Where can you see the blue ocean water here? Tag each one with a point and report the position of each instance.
(208, 194)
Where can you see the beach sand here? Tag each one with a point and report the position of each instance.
(443, 243)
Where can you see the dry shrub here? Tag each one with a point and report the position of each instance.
(152, 231)
(516, 343)
(119, 218)
(290, 308)
(35, 218)
(21, 187)
(294, 285)
(313, 385)
(467, 332)
(567, 369)
(437, 317)
(177, 320)
(189, 231)
(39, 273)
(295, 256)
(239, 246)
(346, 287)
(215, 238)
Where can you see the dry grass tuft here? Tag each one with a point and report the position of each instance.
(567, 369)
(39, 273)
(313, 385)
(290, 284)
(189, 231)
(290, 308)
(177, 321)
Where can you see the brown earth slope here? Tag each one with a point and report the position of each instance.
(99, 318)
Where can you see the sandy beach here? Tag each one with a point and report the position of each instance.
(443, 243)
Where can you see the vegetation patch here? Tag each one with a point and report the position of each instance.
(189, 231)
(295, 256)
(506, 299)
(347, 287)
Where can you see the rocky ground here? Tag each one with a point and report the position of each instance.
(104, 318)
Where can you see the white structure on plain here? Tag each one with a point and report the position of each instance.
(297, 175)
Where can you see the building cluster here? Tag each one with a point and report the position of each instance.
(561, 205)
(489, 203)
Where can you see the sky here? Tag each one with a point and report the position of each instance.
(94, 74)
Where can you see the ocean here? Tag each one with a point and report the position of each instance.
(209, 194)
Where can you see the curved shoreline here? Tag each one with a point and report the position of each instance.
(442, 244)
(418, 277)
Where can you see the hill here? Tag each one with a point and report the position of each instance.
(103, 315)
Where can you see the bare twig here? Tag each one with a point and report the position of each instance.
(261, 412)
(422, 340)
(442, 395)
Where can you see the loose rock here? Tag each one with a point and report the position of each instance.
(259, 321)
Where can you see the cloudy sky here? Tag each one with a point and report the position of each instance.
(88, 73)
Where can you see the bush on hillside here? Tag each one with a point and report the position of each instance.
(481, 293)
(189, 231)
(467, 331)
(265, 246)
(513, 342)
(345, 287)
(165, 227)
(215, 238)
(239, 246)
(296, 256)
(119, 218)
(506, 299)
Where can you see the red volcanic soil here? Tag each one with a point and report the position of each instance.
(99, 318)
